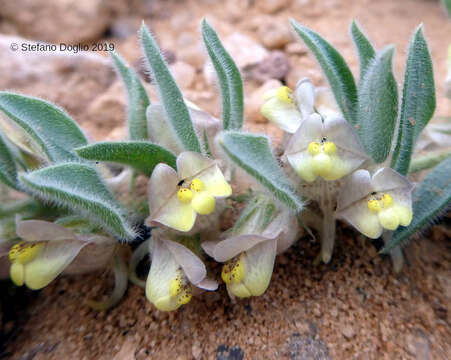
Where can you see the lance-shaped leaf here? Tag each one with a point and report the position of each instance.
(8, 170)
(55, 132)
(253, 154)
(447, 6)
(170, 95)
(378, 106)
(418, 100)
(364, 47)
(335, 68)
(79, 187)
(229, 79)
(141, 155)
(138, 101)
(431, 198)
(429, 160)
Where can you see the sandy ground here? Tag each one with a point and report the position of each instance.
(352, 308)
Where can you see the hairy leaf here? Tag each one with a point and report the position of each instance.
(79, 187)
(8, 170)
(335, 68)
(430, 199)
(55, 132)
(170, 95)
(418, 100)
(138, 101)
(378, 106)
(229, 79)
(253, 154)
(364, 47)
(428, 160)
(143, 156)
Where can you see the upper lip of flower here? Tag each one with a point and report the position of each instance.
(165, 183)
(348, 153)
(361, 184)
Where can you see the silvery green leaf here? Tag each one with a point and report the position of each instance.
(364, 47)
(138, 101)
(431, 198)
(335, 68)
(428, 160)
(78, 187)
(141, 155)
(170, 96)
(49, 126)
(229, 79)
(418, 100)
(8, 170)
(253, 154)
(378, 106)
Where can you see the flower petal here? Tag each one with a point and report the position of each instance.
(310, 130)
(92, 257)
(285, 115)
(305, 97)
(357, 186)
(231, 247)
(338, 130)
(193, 267)
(301, 162)
(191, 164)
(50, 262)
(162, 186)
(163, 270)
(160, 130)
(259, 264)
(174, 214)
(359, 216)
(40, 230)
(208, 284)
(387, 179)
(325, 102)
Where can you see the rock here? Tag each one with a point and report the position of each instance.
(255, 101)
(72, 81)
(183, 74)
(107, 111)
(246, 53)
(67, 21)
(127, 351)
(275, 66)
(296, 48)
(236, 9)
(196, 351)
(272, 6)
(244, 50)
(348, 332)
(190, 50)
(300, 347)
(274, 35)
(224, 352)
(418, 346)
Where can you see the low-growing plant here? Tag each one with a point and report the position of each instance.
(347, 152)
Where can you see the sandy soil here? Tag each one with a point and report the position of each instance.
(354, 307)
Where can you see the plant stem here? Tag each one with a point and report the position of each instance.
(396, 255)
(328, 227)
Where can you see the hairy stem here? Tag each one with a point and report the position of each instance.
(327, 205)
(396, 255)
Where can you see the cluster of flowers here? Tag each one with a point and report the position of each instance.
(324, 157)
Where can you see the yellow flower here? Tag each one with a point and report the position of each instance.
(288, 108)
(175, 198)
(250, 250)
(47, 250)
(174, 271)
(373, 204)
(329, 148)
